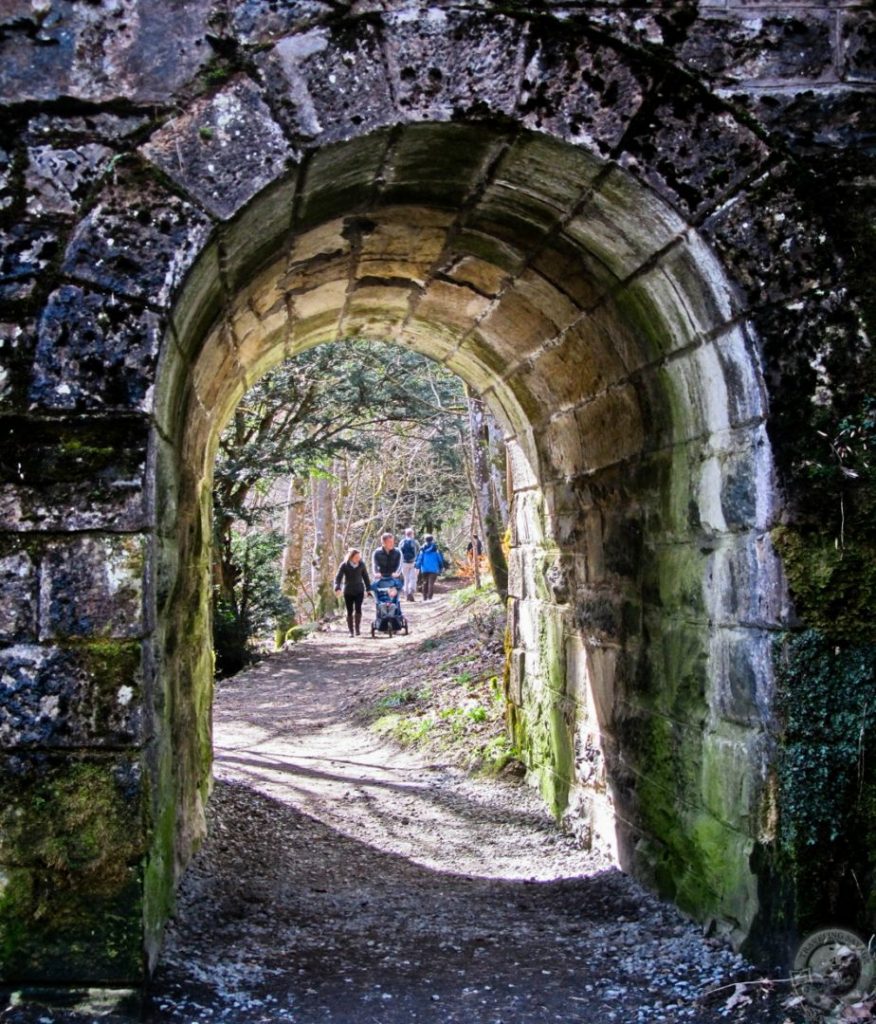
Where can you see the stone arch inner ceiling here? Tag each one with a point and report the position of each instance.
(604, 335)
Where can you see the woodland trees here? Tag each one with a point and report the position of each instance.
(326, 452)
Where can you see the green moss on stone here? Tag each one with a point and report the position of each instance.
(81, 817)
(71, 840)
(834, 587)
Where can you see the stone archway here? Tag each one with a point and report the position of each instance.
(603, 334)
(545, 205)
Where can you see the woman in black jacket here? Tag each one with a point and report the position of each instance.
(354, 577)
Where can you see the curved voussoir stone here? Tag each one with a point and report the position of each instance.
(329, 85)
(771, 239)
(792, 45)
(450, 64)
(690, 149)
(139, 240)
(223, 150)
(577, 88)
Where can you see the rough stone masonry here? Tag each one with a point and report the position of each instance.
(643, 232)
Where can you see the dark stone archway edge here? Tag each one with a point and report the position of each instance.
(122, 168)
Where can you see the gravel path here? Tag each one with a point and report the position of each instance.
(345, 881)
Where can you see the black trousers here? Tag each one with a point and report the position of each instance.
(428, 580)
(354, 605)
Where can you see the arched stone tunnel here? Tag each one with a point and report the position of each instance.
(603, 221)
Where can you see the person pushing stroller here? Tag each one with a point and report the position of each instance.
(386, 559)
(387, 586)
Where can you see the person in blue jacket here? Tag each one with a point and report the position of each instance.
(430, 562)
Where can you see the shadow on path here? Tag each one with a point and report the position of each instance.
(346, 881)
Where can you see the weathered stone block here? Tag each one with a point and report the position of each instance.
(740, 675)
(581, 277)
(452, 64)
(579, 365)
(93, 587)
(58, 180)
(742, 374)
(403, 243)
(536, 185)
(258, 233)
(63, 475)
(200, 302)
(691, 151)
(224, 150)
(610, 427)
(71, 832)
(446, 162)
(216, 369)
(769, 241)
(263, 21)
(94, 352)
(700, 401)
(674, 580)
(597, 612)
(447, 303)
(499, 254)
(7, 196)
(80, 131)
(18, 584)
(515, 327)
(790, 45)
(25, 252)
(57, 930)
(17, 342)
(814, 122)
(133, 51)
(579, 89)
(318, 314)
(857, 31)
(561, 447)
(88, 695)
(745, 584)
(329, 85)
(340, 179)
(729, 789)
(139, 240)
(623, 227)
(375, 311)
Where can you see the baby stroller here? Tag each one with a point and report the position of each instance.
(388, 614)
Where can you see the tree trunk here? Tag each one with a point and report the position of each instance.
(498, 467)
(322, 565)
(490, 515)
(293, 552)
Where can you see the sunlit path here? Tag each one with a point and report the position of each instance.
(345, 880)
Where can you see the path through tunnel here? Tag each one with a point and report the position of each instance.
(603, 335)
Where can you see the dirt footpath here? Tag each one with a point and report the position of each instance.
(345, 881)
